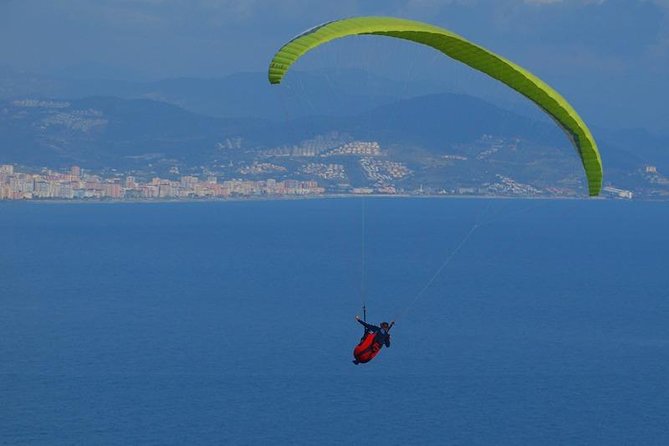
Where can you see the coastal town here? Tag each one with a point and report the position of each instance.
(78, 185)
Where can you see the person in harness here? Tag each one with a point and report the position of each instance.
(374, 338)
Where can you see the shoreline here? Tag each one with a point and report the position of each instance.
(318, 197)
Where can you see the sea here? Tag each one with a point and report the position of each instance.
(518, 322)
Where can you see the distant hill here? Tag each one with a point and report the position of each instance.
(106, 131)
(238, 95)
(423, 131)
(438, 119)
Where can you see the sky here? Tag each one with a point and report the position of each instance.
(609, 57)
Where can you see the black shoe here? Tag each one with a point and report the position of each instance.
(356, 362)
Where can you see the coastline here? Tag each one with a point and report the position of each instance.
(316, 197)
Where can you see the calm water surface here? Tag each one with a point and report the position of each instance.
(232, 323)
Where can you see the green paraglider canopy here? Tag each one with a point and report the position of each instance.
(466, 52)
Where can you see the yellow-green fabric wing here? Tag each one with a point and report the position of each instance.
(466, 52)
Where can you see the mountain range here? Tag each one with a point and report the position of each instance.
(191, 122)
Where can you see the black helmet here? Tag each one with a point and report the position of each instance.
(384, 325)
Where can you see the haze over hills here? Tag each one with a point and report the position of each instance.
(223, 125)
(106, 129)
(238, 95)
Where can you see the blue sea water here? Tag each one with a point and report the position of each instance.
(232, 323)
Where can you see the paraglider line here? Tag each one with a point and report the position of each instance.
(362, 260)
(440, 269)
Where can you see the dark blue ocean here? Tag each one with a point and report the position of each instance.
(232, 323)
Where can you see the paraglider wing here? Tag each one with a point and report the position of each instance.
(466, 52)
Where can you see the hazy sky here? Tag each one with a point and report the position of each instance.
(610, 57)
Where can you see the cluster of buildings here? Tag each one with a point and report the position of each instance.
(383, 172)
(493, 144)
(326, 171)
(618, 193)
(455, 157)
(310, 147)
(261, 168)
(509, 186)
(325, 147)
(76, 185)
(356, 148)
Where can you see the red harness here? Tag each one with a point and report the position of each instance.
(367, 349)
